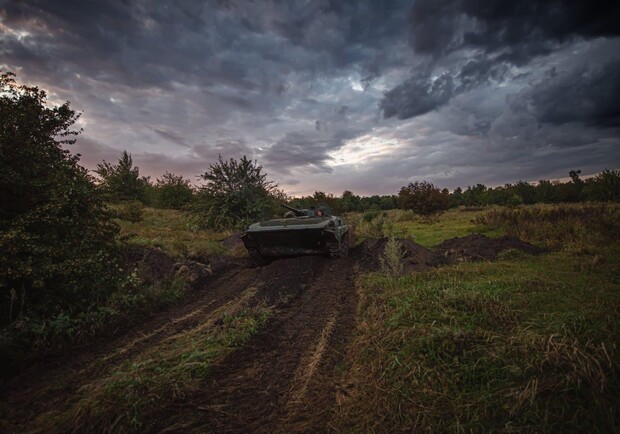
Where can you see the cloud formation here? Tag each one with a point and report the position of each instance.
(332, 95)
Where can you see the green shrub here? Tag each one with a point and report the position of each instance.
(173, 191)
(57, 240)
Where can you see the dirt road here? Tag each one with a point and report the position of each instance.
(285, 379)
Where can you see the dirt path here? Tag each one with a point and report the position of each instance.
(285, 379)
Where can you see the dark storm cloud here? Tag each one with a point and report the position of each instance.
(497, 35)
(214, 60)
(224, 148)
(589, 94)
(300, 149)
(171, 136)
(417, 95)
(518, 29)
(326, 94)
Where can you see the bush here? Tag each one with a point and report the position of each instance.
(122, 181)
(57, 239)
(173, 191)
(236, 193)
(423, 198)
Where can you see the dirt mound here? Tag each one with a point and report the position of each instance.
(233, 241)
(415, 256)
(153, 263)
(477, 247)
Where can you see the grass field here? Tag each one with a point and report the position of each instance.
(523, 344)
(172, 231)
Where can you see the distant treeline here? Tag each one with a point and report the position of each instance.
(600, 188)
(122, 181)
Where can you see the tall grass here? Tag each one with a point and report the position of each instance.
(524, 344)
(171, 231)
(557, 226)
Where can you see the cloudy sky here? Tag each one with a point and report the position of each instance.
(332, 95)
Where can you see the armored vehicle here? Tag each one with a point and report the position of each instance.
(313, 231)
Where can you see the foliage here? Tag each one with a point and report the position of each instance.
(423, 198)
(173, 191)
(391, 261)
(601, 188)
(57, 240)
(172, 231)
(235, 193)
(122, 181)
(572, 226)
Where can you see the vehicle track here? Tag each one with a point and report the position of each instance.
(46, 386)
(285, 379)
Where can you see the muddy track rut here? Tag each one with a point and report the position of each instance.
(284, 380)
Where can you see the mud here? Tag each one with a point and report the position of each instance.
(151, 262)
(477, 247)
(287, 378)
(233, 241)
(415, 256)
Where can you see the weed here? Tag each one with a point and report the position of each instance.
(391, 261)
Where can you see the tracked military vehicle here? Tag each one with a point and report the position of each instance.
(313, 231)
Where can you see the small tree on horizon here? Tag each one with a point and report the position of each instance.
(235, 193)
(173, 191)
(122, 181)
(423, 198)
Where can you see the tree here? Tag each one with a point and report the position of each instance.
(235, 193)
(604, 187)
(57, 241)
(122, 181)
(423, 198)
(173, 191)
(349, 201)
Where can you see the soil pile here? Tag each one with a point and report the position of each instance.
(152, 263)
(233, 241)
(477, 247)
(414, 256)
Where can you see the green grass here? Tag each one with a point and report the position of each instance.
(524, 344)
(427, 231)
(432, 231)
(131, 396)
(171, 231)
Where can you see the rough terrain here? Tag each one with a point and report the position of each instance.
(287, 378)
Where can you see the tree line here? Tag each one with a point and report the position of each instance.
(245, 193)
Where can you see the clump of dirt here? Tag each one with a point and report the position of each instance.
(415, 256)
(474, 247)
(233, 241)
(478, 247)
(152, 262)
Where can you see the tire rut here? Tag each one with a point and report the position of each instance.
(286, 378)
(44, 388)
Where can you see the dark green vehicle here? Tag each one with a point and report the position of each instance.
(313, 231)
